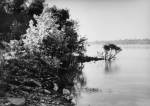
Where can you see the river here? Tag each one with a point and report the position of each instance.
(123, 82)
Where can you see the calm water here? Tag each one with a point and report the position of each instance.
(123, 82)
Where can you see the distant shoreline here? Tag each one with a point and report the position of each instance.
(124, 42)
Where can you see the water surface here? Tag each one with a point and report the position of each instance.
(123, 82)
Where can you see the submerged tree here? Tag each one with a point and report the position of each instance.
(110, 51)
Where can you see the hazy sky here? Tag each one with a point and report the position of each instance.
(109, 19)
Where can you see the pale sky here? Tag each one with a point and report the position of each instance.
(109, 19)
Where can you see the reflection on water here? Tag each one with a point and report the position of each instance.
(71, 80)
(122, 82)
(110, 67)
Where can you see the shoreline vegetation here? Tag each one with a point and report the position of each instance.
(41, 62)
(42, 55)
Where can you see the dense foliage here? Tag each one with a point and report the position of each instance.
(45, 57)
(15, 16)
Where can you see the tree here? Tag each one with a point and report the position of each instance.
(44, 56)
(15, 16)
(110, 51)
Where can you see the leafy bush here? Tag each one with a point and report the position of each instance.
(45, 55)
(15, 16)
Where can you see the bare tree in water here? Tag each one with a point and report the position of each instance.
(110, 51)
